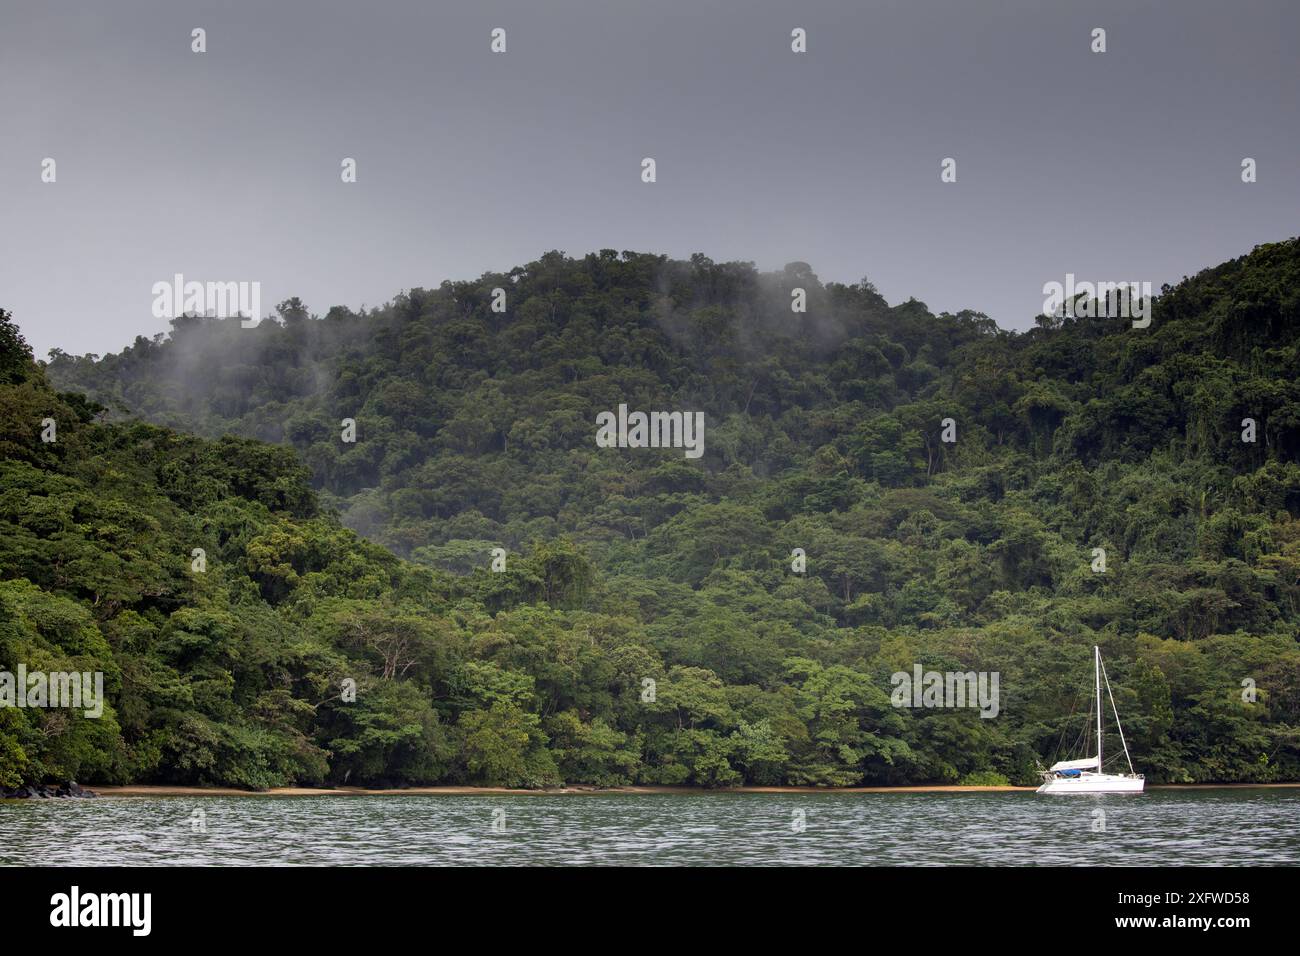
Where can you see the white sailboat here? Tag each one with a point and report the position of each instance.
(1087, 775)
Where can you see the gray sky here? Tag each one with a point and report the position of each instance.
(225, 165)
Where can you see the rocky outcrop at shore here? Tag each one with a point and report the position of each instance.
(47, 791)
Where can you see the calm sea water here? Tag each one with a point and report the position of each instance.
(1232, 827)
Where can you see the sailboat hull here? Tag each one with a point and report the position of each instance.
(1094, 783)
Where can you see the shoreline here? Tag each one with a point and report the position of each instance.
(164, 790)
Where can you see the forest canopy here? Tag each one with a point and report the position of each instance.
(650, 625)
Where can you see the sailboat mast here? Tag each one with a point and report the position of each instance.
(1096, 661)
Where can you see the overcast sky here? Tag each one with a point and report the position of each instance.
(226, 165)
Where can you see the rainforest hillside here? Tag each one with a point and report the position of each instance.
(824, 432)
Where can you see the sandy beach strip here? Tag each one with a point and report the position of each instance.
(150, 790)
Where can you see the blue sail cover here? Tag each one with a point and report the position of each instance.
(1069, 773)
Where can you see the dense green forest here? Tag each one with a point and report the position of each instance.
(330, 561)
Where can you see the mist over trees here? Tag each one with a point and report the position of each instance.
(630, 569)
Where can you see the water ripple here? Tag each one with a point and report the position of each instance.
(1206, 827)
